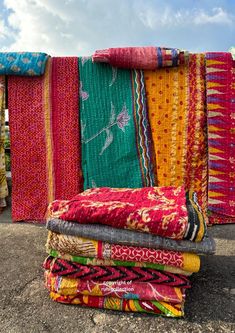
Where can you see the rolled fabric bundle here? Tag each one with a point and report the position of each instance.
(101, 250)
(73, 270)
(89, 261)
(164, 211)
(129, 237)
(148, 57)
(120, 289)
(127, 305)
(23, 63)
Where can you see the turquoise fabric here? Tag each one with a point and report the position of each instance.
(110, 153)
(22, 63)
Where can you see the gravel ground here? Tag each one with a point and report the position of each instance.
(25, 305)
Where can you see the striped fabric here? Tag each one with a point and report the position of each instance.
(220, 77)
(3, 181)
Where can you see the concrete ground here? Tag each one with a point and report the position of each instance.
(25, 306)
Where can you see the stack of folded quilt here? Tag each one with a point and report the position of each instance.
(125, 249)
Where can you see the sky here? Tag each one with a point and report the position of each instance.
(79, 27)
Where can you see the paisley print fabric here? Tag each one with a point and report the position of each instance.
(164, 211)
(22, 63)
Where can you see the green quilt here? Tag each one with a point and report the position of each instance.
(116, 141)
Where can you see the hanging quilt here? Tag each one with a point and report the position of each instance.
(220, 78)
(44, 131)
(116, 140)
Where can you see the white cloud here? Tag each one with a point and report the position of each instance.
(218, 16)
(72, 27)
(168, 17)
(4, 32)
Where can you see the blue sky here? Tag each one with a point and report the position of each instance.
(79, 27)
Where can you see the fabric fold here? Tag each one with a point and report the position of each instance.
(73, 270)
(89, 261)
(163, 211)
(151, 307)
(120, 289)
(130, 237)
(102, 250)
(148, 57)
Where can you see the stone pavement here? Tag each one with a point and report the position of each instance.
(25, 306)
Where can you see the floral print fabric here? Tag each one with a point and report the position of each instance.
(157, 210)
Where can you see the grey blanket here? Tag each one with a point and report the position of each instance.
(129, 237)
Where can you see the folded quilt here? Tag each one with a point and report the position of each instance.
(91, 248)
(148, 57)
(129, 237)
(89, 261)
(22, 63)
(220, 81)
(128, 305)
(65, 268)
(164, 211)
(119, 289)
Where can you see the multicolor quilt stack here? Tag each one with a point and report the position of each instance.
(125, 249)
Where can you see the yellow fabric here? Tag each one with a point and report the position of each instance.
(176, 104)
(47, 119)
(167, 91)
(3, 180)
(191, 262)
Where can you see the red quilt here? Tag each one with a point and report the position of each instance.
(158, 210)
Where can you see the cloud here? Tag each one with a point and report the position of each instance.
(72, 27)
(169, 17)
(218, 16)
(4, 31)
